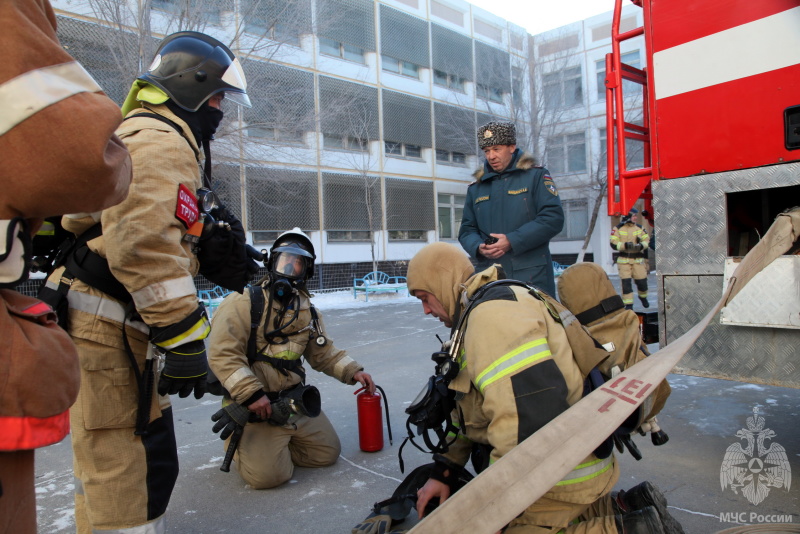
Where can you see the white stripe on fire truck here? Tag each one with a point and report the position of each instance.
(754, 48)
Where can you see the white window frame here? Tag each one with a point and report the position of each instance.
(453, 204)
(559, 148)
(402, 150)
(556, 85)
(345, 51)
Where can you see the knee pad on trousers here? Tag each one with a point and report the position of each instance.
(641, 284)
(627, 286)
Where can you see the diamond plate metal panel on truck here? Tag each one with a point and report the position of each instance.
(691, 219)
(692, 247)
(761, 355)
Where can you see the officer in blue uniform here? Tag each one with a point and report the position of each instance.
(512, 210)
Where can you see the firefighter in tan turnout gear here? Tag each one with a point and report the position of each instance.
(255, 350)
(517, 373)
(631, 240)
(133, 309)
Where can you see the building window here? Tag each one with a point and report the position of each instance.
(342, 236)
(264, 239)
(563, 89)
(452, 158)
(450, 209)
(329, 47)
(209, 13)
(628, 87)
(634, 150)
(451, 81)
(278, 32)
(345, 142)
(407, 235)
(277, 135)
(398, 66)
(576, 219)
(566, 154)
(486, 92)
(402, 150)
(517, 85)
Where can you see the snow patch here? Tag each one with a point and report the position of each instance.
(754, 387)
(214, 462)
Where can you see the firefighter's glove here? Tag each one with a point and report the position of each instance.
(228, 418)
(376, 524)
(185, 369)
(633, 247)
(224, 256)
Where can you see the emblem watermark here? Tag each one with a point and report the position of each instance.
(755, 467)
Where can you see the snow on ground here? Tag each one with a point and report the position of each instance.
(340, 300)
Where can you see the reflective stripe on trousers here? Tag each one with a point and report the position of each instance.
(587, 471)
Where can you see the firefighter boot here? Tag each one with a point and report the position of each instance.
(644, 495)
(644, 521)
(645, 303)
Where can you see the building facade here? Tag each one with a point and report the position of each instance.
(362, 130)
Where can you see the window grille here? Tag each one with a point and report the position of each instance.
(409, 205)
(280, 199)
(406, 119)
(404, 36)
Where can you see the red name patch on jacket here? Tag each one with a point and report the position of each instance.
(186, 211)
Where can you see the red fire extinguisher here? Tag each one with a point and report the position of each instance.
(370, 420)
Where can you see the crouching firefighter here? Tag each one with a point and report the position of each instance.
(255, 350)
(133, 310)
(516, 359)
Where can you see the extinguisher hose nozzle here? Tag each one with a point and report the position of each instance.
(386, 406)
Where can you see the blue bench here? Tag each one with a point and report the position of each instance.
(212, 297)
(378, 282)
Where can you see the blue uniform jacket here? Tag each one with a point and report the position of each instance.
(521, 202)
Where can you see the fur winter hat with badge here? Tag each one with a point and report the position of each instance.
(497, 133)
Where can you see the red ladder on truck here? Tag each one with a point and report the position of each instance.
(625, 186)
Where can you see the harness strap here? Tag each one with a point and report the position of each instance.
(93, 269)
(157, 117)
(256, 309)
(295, 366)
(605, 307)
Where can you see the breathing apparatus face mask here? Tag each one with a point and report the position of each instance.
(289, 271)
(433, 404)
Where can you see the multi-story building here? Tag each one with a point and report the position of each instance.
(362, 130)
(569, 77)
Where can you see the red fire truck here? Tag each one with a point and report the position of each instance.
(721, 137)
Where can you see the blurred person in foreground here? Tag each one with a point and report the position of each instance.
(59, 155)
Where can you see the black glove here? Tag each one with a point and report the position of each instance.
(225, 257)
(228, 418)
(633, 247)
(185, 370)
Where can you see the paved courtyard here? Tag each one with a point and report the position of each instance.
(393, 339)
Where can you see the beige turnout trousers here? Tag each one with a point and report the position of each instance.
(267, 454)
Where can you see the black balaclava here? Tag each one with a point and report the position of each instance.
(203, 122)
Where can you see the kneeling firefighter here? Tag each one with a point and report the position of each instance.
(516, 359)
(255, 348)
(133, 311)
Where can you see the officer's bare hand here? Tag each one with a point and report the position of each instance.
(262, 408)
(495, 250)
(432, 488)
(365, 380)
